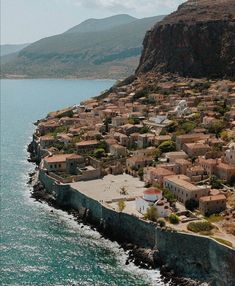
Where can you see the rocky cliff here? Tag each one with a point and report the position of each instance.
(198, 40)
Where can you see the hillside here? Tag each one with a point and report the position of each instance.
(197, 40)
(112, 53)
(95, 25)
(10, 49)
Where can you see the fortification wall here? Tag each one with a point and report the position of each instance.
(192, 256)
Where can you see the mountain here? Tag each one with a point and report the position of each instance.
(197, 40)
(107, 53)
(95, 25)
(10, 49)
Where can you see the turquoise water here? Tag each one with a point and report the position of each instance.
(39, 247)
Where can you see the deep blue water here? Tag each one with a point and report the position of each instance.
(39, 247)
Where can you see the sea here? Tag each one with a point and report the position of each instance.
(41, 246)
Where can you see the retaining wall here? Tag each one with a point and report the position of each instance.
(192, 256)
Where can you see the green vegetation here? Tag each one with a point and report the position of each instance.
(112, 52)
(191, 204)
(214, 218)
(223, 241)
(151, 214)
(174, 219)
(60, 129)
(144, 130)
(202, 226)
(59, 146)
(216, 183)
(141, 173)
(134, 120)
(216, 127)
(188, 126)
(172, 127)
(168, 195)
(161, 222)
(123, 191)
(99, 153)
(167, 146)
(107, 121)
(121, 205)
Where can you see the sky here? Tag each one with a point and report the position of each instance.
(26, 21)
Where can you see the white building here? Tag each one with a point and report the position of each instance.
(182, 108)
(152, 197)
(230, 154)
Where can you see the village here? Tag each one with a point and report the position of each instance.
(159, 147)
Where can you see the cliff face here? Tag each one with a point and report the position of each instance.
(197, 40)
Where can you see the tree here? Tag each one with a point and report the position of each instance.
(107, 121)
(188, 126)
(216, 127)
(99, 153)
(121, 205)
(144, 129)
(174, 219)
(123, 191)
(151, 214)
(133, 120)
(216, 183)
(167, 146)
(141, 173)
(191, 204)
(157, 155)
(161, 222)
(172, 127)
(169, 196)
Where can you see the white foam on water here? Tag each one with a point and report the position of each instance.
(152, 277)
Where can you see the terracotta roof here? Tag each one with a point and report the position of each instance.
(213, 198)
(197, 145)
(61, 158)
(225, 166)
(152, 191)
(87, 143)
(162, 171)
(178, 180)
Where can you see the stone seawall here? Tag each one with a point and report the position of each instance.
(192, 256)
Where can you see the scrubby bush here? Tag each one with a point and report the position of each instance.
(200, 226)
(174, 219)
(169, 195)
(215, 183)
(151, 214)
(99, 153)
(161, 222)
(167, 146)
(191, 204)
(121, 205)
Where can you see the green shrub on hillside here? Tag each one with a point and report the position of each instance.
(174, 219)
(151, 214)
(200, 226)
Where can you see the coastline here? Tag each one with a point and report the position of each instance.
(146, 254)
(59, 78)
(141, 257)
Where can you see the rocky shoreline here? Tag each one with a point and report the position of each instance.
(141, 257)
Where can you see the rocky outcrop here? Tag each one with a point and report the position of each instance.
(198, 40)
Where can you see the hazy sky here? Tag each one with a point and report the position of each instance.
(25, 21)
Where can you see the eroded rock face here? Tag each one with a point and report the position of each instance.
(197, 40)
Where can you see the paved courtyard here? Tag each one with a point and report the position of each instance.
(109, 187)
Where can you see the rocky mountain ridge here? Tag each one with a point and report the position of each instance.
(198, 40)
